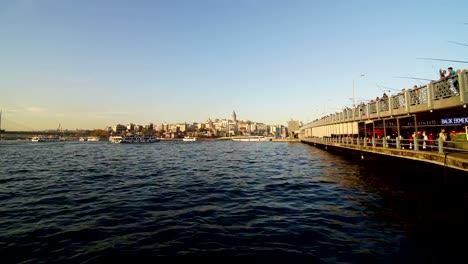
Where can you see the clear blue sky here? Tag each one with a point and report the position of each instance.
(91, 64)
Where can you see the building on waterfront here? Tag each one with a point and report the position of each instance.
(119, 129)
(234, 117)
(182, 127)
(293, 128)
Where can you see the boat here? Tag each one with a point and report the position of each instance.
(46, 139)
(187, 138)
(89, 139)
(51, 138)
(252, 138)
(133, 139)
(115, 139)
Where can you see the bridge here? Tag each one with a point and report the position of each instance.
(405, 125)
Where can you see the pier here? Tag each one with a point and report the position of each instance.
(427, 124)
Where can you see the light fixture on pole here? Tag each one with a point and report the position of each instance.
(361, 75)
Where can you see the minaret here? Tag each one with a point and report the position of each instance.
(233, 117)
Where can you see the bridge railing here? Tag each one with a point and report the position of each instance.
(418, 96)
(446, 88)
(437, 145)
(419, 99)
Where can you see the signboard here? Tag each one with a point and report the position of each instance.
(454, 121)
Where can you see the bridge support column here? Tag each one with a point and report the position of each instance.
(441, 145)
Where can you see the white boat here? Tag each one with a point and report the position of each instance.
(89, 139)
(252, 138)
(133, 139)
(46, 139)
(187, 138)
(115, 139)
(52, 138)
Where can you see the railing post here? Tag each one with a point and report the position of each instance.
(430, 95)
(373, 142)
(365, 141)
(377, 107)
(416, 142)
(441, 145)
(407, 101)
(390, 105)
(367, 110)
(384, 140)
(398, 145)
(463, 86)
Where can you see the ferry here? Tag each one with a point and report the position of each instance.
(52, 138)
(252, 138)
(89, 139)
(187, 138)
(133, 139)
(46, 139)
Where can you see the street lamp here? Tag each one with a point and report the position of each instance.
(361, 75)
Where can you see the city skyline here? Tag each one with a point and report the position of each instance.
(91, 64)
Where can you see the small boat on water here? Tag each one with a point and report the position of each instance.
(187, 138)
(252, 138)
(133, 139)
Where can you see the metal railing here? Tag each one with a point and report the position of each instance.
(420, 96)
(438, 145)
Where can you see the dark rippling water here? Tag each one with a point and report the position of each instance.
(91, 202)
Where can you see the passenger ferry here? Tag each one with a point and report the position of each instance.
(133, 139)
(89, 139)
(52, 138)
(187, 138)
(46, 139)
(252, 138)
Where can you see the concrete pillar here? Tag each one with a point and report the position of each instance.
(390, 105)
(463, 86)
(368, 110)
(430, 95)
(407, 101)
(441, 145)
(377, 107)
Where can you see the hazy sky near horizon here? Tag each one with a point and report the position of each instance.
(90, 64)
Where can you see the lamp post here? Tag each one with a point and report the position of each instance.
(361, 75)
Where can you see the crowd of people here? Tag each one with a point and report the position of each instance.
(415, 92)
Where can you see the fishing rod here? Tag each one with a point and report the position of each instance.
(417, 79)
(442, 60)
(388, 88)
(458, 43)
(413, 78)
